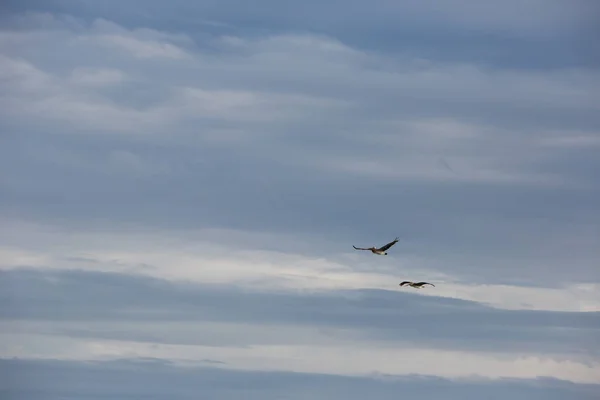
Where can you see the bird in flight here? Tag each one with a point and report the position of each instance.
(380, 251)
(417, 285)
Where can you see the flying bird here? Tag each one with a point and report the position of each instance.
(417, 285)
(380, 251)
(445, 164)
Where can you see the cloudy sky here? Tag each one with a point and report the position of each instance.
(182, 183)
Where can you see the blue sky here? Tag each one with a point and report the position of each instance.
(182, 184)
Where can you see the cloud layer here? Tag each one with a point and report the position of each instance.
(150, 377)
(185, 183)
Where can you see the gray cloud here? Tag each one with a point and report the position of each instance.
(406, 22)
(292, 174)
(84, 297)
(321, 122)
(121, 379)
(399, 27)
(481, 232)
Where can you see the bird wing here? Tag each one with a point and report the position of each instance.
(360, 248)
(405, 283)
(390, 244)
(425, 283)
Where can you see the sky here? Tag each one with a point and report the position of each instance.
(182, 183)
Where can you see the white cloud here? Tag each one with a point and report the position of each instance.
(425, 168)
(350, 358)
(22, 78)
(242, 90)
(573, 140)
(38, 96)
(97, 76)
(298, 59)
(142, 48)
(195, 257)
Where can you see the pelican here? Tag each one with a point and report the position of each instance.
(380, 251)
(416, 285)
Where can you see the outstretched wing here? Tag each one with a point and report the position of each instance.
(425, 283)
(390, 244)
(360, 248)
(405, 283)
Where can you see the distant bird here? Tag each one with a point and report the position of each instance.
(416, 285)
(380, 251)
(445, 164)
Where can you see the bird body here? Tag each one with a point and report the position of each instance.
(379, 251)
(416, 285)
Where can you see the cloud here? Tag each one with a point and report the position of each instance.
(187, 190)
(97, 77)
(259, 262)
(534, 18)
(316, 359)
(302, 104)
(107, 315)
(143, 377)
(554, 34)
(574, 139)
(142, 49)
